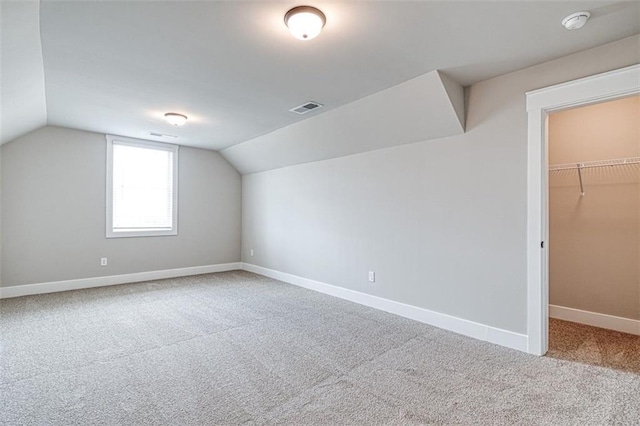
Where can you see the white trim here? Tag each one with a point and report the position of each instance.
(589, 90)
(536, 297)
(52, 287)
(606, 86)
(121, 140)
(610, 322)
(458, 325)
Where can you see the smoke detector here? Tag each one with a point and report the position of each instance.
(576, 20)
(306, 107)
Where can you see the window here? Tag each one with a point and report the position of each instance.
(142, 188)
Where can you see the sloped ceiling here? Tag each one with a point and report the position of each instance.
(416, 110)
(117, 66)
(22, 93)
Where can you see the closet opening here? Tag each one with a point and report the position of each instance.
(593, 185)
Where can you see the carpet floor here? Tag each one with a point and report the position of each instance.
(595, 346)
(239, 348)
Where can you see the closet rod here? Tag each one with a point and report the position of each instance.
(593, 164)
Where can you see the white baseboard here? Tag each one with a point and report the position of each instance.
(458, 325)
(625, 325)
(51, 287)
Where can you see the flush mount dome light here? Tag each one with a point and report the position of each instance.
(175, 119)
(305, 22)
(576, 20)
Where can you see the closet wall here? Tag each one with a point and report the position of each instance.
(594, 247)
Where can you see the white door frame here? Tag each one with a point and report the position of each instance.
(598, 88)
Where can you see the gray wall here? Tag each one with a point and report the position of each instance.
(53, 212)
(594, 242)
(442, 222)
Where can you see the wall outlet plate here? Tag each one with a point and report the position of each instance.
(372, 277)
(103, 261)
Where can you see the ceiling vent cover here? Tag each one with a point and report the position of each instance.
(161, 135)
(306, 107)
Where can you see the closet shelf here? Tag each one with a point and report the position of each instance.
(593, 164)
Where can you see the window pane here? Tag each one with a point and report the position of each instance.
(142, 188)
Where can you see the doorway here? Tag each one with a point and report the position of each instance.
(540, 103)
(594, 234)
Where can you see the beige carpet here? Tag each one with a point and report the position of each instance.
(238, 348)
(595, 346)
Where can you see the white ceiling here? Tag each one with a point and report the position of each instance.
(232, 67)
(22, 98)
(427, 107)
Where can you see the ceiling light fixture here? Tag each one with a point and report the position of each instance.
(305, 22)
(576, 20)
(175, 119)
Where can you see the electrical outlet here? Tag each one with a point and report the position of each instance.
(372, 277)
(251, 252)
(103, 261)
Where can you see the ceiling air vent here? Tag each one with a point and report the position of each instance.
(306, 107)
(161, 135)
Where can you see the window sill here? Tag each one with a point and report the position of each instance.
(131, 234)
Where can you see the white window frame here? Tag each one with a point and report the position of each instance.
(143, 144)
